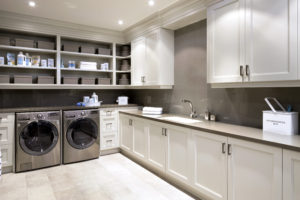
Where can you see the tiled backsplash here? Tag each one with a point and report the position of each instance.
(238, 106)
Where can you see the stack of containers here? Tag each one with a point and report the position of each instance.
(125, 51)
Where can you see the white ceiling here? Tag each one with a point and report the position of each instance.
(99, 13)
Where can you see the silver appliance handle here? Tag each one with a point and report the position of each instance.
(267, 100)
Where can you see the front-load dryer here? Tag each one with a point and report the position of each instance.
(81, 135)
(37, 140)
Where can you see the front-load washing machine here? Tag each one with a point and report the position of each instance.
(37, 140)
(81, 135)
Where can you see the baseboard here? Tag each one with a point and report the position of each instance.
(109, 151)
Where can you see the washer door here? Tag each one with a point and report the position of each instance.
(82, 133)
(38, 137)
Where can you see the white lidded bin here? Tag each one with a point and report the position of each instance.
(281, 122)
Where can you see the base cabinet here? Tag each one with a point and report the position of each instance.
(126, 133)
(178, 152)
(140, 132)
(254, 171)
(210, 165)
(291, 175)
(157, 146)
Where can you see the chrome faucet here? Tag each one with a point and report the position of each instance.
(193, 112)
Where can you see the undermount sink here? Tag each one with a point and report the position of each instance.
(181, 120)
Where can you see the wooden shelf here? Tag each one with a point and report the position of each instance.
(27, 49)
(62, 86)
(85, 54)
(26, 67)
(123, 57)
(85, 70)
(128, 71)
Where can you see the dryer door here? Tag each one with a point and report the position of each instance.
(82, 133)
(38, 137)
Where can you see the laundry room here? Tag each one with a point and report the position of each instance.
(149, 99)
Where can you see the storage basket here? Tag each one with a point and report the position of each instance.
(70, 80)
(104, 81)
(46, 45)
(24, 79)
(4, 79)
(87, 81)
(45, 80)
(25, 43)
(4, 40)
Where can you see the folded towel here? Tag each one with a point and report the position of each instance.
(152, 113)
(153, 109)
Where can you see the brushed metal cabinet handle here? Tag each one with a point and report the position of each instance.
(241, 70)
(130, 122)
(247, 70)
(224, 148)
(229, 149)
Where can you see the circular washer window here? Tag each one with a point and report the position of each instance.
(38, 137)
(82, 133)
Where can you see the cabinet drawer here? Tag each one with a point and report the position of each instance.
(7, 156)
(7, 117)
(109, 141)
(108, 112)
(6, 133)
(108, 124)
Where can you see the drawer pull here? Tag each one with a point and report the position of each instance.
(224, 147)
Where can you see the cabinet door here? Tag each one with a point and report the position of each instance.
(225, 41)
(210, 165)
(126, 131)
(271, 39)
(156, 146)
(179, 153)
(140, 132)
(152, 71)
(138, 60)
(254, 171)
(291, 175)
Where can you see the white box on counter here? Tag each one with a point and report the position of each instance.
(281, 122)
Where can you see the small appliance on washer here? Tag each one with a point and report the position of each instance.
(81, 135)
(37, 140)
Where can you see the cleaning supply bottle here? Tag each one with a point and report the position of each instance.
(21, 61)
(95, 97)
(28, 60)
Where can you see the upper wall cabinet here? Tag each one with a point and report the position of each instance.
(153, 58)
(252, 41)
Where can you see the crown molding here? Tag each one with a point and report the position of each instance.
(20, 22)
(178, 15)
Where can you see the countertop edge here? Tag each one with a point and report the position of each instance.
(251, 139)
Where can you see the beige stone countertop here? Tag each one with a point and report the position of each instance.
(230, 130)
(54, 108)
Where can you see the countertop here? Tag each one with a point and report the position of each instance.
(54, 108)
(230, 130)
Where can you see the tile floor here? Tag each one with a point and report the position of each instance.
(112, 177)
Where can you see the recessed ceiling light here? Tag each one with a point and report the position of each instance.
(31, 3)
(151, 2)
(120, 22)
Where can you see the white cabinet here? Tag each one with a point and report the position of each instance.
(153, 58)
(210, 165)
(126, 133)
(157, 146)
(140, 138)
(291, 175)
(138, 57)
(252, 41)
(254, 171)
(7, 132)
(178, 153)
(225, 45)
(271, 40)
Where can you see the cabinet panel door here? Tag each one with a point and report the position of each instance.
(254, 171)
(126, 131)
(271, 39)
(156, 146)
(178, 153)
(152, 71)
(210, 165)
(140, 138)
(291, 175)
(138, 60)
(225, 41)
(7, 155)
